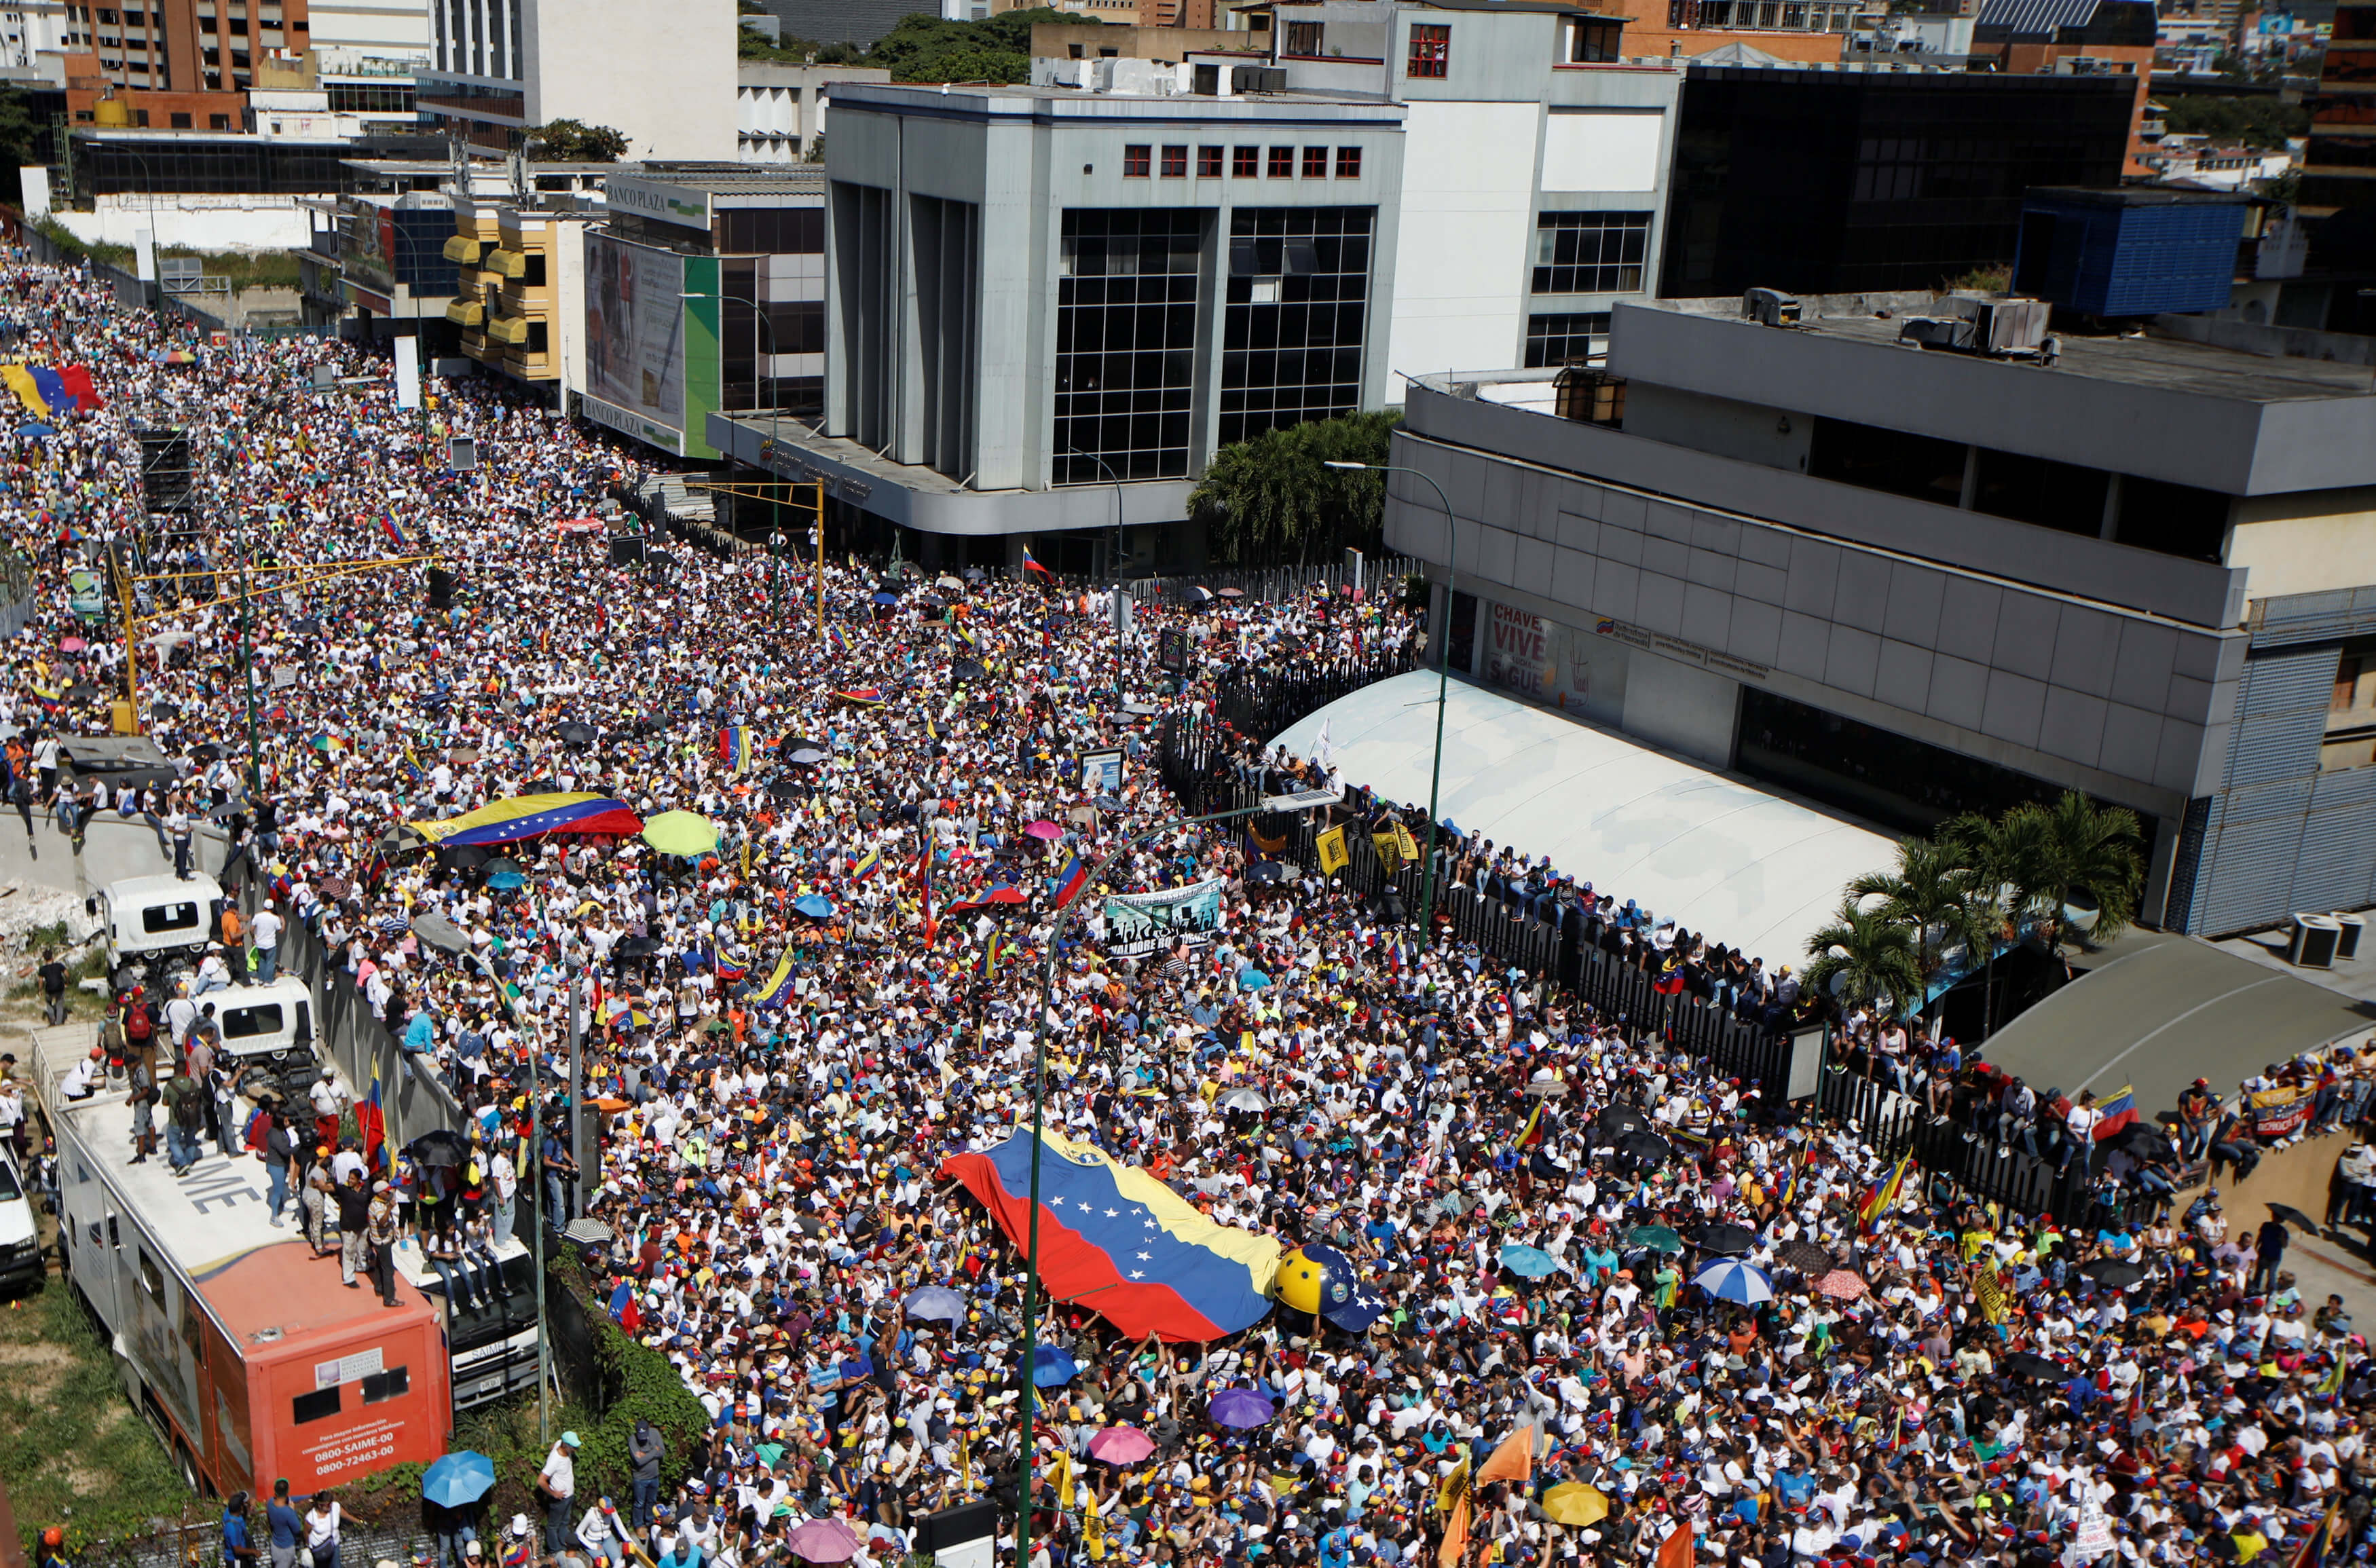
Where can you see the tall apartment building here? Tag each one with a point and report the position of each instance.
(662, 72)
(2338, 183)
(1911, 582)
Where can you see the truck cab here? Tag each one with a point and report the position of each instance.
(20, 1237)
(266, 1025)
(160, 921)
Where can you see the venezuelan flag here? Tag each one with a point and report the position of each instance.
(398, 534)
(835, 640)
(736, 745)
(862, 697)
(990, 956)
(529, 816)
(868, 865)
(1117, 1241)
(2117, 1112)
(1882, 1196)
(78, 387)
(1031, 566)
(52, 387)
(1069, 884)
(776, 991)
(21, 382)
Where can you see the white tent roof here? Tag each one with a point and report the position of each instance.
(1750, 869)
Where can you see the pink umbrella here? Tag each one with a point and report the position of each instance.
(1044, 829)
(822, 1540)
(1841, 1285)
(1120, 1445)
(71, 645)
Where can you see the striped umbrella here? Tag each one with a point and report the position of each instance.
(1729, 1279)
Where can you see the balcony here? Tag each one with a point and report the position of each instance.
(505, 263)
(465, 313)
(462, 249)
(511, 329)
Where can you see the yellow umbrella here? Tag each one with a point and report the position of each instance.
(1572, 1503)
(681, 833)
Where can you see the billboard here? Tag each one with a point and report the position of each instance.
(635, 329)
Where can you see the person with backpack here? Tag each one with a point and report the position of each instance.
(185, 1121)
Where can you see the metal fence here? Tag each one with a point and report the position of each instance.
(194, 1540)
(1259, 703)
(413, 1099)
(1269, 584)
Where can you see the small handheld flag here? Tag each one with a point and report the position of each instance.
(1031, 566)
(776, 991)
(991, 954)
(868, 865)
(1882, 1197)
(1070, 884)
(2118, 1111)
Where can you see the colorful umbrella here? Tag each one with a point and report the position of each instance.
(1572, 1503)
(1241, 1409)
(1732, 1280)
(458, 1478)
(1120, 1445)
(936, 1302)
(1044, 830)
(681, 833)
(1528, 1263)
(822, 1540)
(1842, 1285)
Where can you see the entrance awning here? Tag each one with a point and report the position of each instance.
(2158, 1011)
(1747, 867)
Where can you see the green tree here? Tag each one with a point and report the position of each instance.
(1871, 958)
(1934, 893)
(1273, 499)
(2253, 121)
(573, 141)
(924, 48)
(2085, 852)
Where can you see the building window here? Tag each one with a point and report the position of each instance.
(1134, 162)
(1315, 163)
(1555, 339)
(1282, 162)
(219, 122)
(1349, 163)
(1126, 343)
(1208, 162)
(181, 122)
(1176, 163)
(1590, 252)
(1245, 162)
(1430, 51)
(1304, 38)
(1293, 332)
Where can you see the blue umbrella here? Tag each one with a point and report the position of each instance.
(1252, 979)
(1528, 1263)
(1052, 1365)
(816, 906)
(1242, 1409)
(1729, 1279)
(936, 1302)
(886, 599)
(504, 881)
(458, 1478)
(36, 430)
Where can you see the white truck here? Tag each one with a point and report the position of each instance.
(157, 922)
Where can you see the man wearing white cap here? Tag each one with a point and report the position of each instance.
(557, 1484)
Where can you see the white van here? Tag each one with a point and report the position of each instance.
(20, 1240)
(156, 919)
(265, 1025)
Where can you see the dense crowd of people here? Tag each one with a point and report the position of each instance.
(791, 1030)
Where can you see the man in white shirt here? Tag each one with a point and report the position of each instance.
(265, 931)
(557, 1484)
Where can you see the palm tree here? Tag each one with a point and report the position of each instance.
(2004, 857)
(2086, 850)
(1877, 957)
(1934, 892)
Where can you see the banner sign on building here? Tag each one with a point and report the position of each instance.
(635, 329)
(1149, 922)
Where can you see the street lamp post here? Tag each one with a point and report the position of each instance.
(1111, 480)
(1442, 688)
(1039, 1118)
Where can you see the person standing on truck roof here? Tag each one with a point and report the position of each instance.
(284, 1527)
(354, 1218)
(177, 824)
(180, 1014)
(264, 932)
(379, 1236)
(329, 1105)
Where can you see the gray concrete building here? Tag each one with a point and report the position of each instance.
(1911, 582)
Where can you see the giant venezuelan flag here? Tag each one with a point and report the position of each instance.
(528, 816)
(1118, 1242)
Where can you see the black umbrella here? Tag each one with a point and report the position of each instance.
(792, 743)
(439, 1145)
(2143, 1140)
(463, 856)
(2287, 1215)
(575, 733)
(1727, 1240)
(1265, 871)
(208, 751)
(2025, 1363)
(1805, 1256)
(542, 787)
(638, 947)
(1644, 1148)
(493, 866)
(2111, 1273)
(967, 670)
(787, 789)
(1619, 1120)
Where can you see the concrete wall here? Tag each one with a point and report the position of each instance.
(1466, 236)
(661, 71)
(2292, 544)
(198, 222)
(2088, 695)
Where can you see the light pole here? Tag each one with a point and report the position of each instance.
(1039, 1116)
(1442, 688)
(1109, 472)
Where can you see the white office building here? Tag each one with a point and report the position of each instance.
(660, 72)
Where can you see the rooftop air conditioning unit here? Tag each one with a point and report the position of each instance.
(2009, 326)
(1936, 332)
(1258, 79)
(1770, 307)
